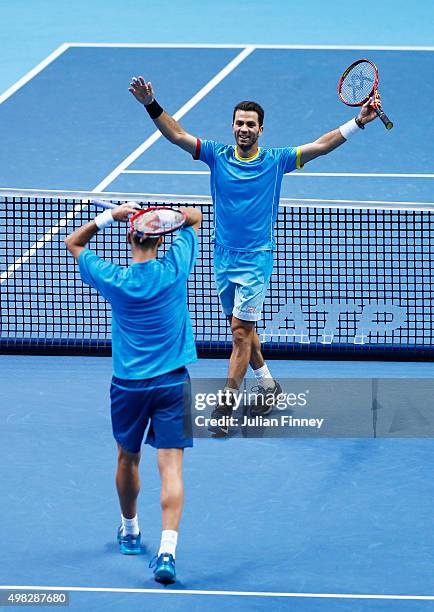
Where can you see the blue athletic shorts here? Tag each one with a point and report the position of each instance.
(163, 402)
(242, 281)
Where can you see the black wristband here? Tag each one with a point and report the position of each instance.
(359, 123)
(154, 109)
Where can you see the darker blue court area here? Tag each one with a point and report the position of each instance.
(60, 128)
(100, 124)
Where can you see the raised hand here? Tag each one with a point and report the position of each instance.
(124, 211)
(368, 112)
(141, 90)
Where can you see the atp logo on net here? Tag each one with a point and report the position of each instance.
(374, 318)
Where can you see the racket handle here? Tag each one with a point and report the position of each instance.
(384, 118)
(102, 203)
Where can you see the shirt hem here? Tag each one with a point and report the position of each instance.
(251, 250)
(153, 374)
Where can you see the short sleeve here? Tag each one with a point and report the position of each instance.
(206, 151)
(290, 159)
(184, 250)
(98, 273)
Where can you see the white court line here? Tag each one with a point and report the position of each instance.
(194, 198)
(128, 160)
(178, 115)
(365, 174)
(224, 593)
(13, 192)
(302, 173)
(33, 72)
(187, 172)
(257, 46)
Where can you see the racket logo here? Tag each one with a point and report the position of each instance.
(358, 84)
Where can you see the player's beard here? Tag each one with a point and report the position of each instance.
(246, 144)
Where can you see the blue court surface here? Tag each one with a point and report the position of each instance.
(282, 524)
(102, 138)
(305, 524)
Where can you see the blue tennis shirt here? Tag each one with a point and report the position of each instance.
(151, 327)
(246, 193)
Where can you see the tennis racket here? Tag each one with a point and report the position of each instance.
(358, 83)
(152, 221)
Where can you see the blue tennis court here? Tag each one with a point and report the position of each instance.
(285, 523)
(102, 139)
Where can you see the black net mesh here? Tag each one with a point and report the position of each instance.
(344, 280)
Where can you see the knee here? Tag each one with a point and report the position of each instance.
(170, 463)
(127, 459)
(241, 334)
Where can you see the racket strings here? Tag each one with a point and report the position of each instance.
(156, 222)
(359, 83)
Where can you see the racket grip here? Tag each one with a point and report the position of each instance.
(384, 118)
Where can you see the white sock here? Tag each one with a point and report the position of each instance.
(130, 526)
(169, 540)
(263, 377)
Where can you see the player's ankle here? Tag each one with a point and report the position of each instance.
(130, 526)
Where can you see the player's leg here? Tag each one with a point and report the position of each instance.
(256, 269)
(259, 366)
(172, 503)
(172, 496)
(247, 349)
(238, 364)
(249, 302)
(129, 421)
(227, 276)
(169, 432)
(256, 358)
(128, 488)
(268, 388)
(242, 341)
(128, 481)
(252, 277)
(172, 486)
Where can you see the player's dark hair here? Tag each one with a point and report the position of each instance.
(249, 105)
(145, 245)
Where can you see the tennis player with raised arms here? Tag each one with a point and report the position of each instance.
(245, 187)
(152, 341)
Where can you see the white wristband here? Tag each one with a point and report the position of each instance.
(104, 219)
(349, 128)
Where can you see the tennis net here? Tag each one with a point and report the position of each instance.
(350, 278)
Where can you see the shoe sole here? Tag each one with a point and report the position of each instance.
(129, 551)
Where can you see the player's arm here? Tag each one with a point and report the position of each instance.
(144, 93)
(193, 217)
(77, 241)
(330, 141)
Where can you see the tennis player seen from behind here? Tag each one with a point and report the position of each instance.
(245, 188)
(152, 341)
